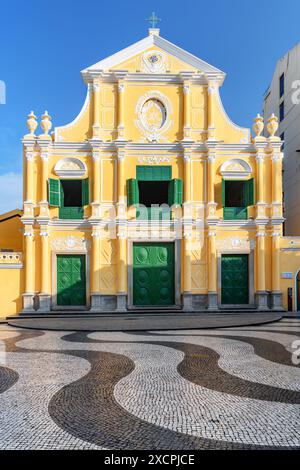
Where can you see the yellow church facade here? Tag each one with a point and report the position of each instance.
(151, 199)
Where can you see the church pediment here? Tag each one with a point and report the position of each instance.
(156, 55)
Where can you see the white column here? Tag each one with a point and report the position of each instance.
(276, 185)
(29, 181)
(28, 296)
(212, 271)
(211, 93)
(45, 294)
(276, 289)
(261, 294)
(186, 112)
(121, 181)
(96, 180)
(121, 109)
(122, 270)
(211, 204)
(96, 110)
(43, 181)
(95, 270)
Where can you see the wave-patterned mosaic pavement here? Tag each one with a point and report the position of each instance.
(236, 388)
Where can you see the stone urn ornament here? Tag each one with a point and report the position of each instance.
(31, 123)
(258, 125)
(46, 124)
(272, 125)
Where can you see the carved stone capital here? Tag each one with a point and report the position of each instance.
(29, 156)
(96, 234)
(121, 155)
(260, 158)
(276, 157)
(96, 155)
(45, 156)
(96, 87)
(211, 89)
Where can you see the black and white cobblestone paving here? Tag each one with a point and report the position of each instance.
(227, 388)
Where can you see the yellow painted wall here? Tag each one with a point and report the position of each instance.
(11, 231)
(290, 262)
(11, 288)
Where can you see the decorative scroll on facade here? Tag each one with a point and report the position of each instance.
(235, 243)
(70, 244)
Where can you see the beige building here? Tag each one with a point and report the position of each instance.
(283, 99)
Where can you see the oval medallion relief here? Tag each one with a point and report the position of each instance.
(153, 115)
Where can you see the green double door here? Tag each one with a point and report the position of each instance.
(153, 274)
(71, 280)
(234, 279)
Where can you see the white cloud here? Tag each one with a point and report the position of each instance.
(11, 191)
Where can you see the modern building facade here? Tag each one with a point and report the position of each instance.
(283, 99)
(151, 198)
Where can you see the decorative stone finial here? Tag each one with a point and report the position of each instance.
(31, 123)
(46, 124)
(258, 125)
(272, 125)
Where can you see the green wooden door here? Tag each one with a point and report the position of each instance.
(71, 280)
(235, 279)
(153, 274)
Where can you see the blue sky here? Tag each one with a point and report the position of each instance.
(43, 47)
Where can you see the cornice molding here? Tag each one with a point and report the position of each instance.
(87, 147)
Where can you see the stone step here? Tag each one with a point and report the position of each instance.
(133, 313)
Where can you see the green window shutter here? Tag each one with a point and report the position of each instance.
(153, 173)
(235, 213)
(166, 173)
(175, 192)
(249, 193)
(223, 192)
(54, 192)
(132, 192)
(71, 212)
(85, 192)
